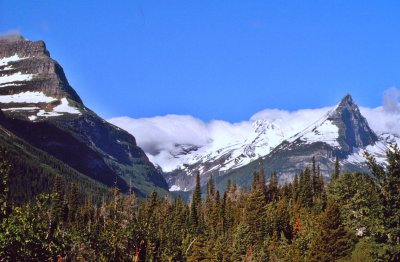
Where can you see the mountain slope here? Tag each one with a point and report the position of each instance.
(342, 132)
(41, 108)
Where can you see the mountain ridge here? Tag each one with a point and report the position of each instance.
(342, 132)
(40, 107)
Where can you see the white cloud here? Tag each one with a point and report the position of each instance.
(391, 100)
(159, 135)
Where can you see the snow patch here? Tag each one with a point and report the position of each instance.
(327, 132)
(64, 107)
(44, 113)
(5, 60)
(175, 188)
(27, 97)
(32, 118)
(28, 108)
(16, 77)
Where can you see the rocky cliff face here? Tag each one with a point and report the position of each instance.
(354, 131)
(41, 107)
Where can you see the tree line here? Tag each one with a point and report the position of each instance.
(354, 217)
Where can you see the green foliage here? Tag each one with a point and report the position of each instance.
(26, 234)
(360, 204)
(333, 241)
(4, 185)
(270, 222)
(387, 179)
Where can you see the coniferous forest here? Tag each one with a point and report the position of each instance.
(353, 217)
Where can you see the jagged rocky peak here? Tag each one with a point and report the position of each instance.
(354, 131)
(17, 44)
(32, 84)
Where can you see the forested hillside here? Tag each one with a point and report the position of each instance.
(355, 217)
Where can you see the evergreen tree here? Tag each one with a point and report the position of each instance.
(195, 209)
(196, 199)
(5, 168)
(255, 180)
(296, 188)
(255, 218)
(333, 241)
(73, 202)
(261, 182)
(305, 191)
(315, 179)
(388, 180)
(198, 251)
(273, 191)
(336, 171)
(57, 201)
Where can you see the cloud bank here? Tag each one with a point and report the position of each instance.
(159, 135)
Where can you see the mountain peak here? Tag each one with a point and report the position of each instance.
(354, 129)
(32, 84)
(17, 44)
(347, 99)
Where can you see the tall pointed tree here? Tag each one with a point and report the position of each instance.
(196, 206)
(57, 200)
(333, 241)
(388, 180)
(336, 171)
(5, 168)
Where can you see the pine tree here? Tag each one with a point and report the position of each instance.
(196, 199)
(255, 180)
(333, 241)
(73, 202)
(196, 207)
(336, 171)
(315, 179)
(5, 168)
(261, 182)
(273, 192)
(255, 217)
(198, 251)
(305, 192)
(57, 201)
(296, 188)
(388, 180)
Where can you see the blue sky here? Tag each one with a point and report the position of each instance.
(216, 59)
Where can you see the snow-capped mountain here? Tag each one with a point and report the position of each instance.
(41, 108)
(263, 138)
(341, 132)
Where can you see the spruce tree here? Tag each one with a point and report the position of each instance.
(255, 180)
(388, 180)
(196, 199)
(261, 182)
(306, 192)
(57, 200)
(273, 191)
(196, 207)
(336, 171)
(315, 179)
(5, 168)
(73, 202)
(333, 241)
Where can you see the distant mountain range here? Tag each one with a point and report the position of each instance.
(341, 132)
(45, 125)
